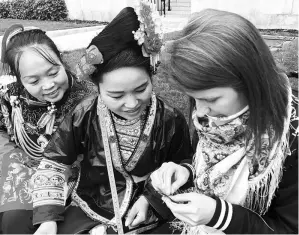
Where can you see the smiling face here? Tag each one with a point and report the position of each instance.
(42, 79)
(218, 102)
(126, 91)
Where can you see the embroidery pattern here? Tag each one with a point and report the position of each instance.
(20, 167)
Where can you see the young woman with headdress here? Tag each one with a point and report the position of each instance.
(36, 94)
(246, 162)
(125, 133)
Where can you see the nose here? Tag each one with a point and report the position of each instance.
(201, 108)
(48, 85)
(131, 102)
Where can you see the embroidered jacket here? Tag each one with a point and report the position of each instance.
(18, 164)
(32, 110)
(80, 133)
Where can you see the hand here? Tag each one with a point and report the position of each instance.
(169, 178)
(98, 230)
(138, 213)
(198, 210)
(49, 227)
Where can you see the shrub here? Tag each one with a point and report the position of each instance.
(49, 10)
(4, 9)
(18, 9)
(54, 10)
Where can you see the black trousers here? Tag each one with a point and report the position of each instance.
(75, 222)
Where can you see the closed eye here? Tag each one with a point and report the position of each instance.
(212, 100)
(140, 90)
(117, 97)
(33, 82)
(53, 74)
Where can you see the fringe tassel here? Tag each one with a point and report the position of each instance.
(262, 188)
(21, 137)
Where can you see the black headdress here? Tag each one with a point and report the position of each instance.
(126, 30)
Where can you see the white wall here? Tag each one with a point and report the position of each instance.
(273, 14)
(100, 10)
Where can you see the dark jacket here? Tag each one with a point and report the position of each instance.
(80, 133)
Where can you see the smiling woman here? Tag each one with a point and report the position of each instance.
(44, 81)
(32, 104)
(126, 91)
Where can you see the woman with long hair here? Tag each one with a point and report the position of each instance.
(246, 163)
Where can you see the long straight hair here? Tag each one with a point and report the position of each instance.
(223, 49)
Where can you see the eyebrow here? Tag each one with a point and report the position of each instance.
(117, 92)
(32, 76)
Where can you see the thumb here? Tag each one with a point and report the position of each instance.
(177, 184)
(131, 216)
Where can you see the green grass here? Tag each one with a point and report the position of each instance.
(286, 57)
(47, 25)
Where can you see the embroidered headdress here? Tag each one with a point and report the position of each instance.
(140, 26)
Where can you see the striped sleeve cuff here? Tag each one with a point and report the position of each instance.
(222, 216)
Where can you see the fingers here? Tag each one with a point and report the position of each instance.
(176, 185)
(163, 178)
(177, 208)
(157, 178)
(182, 197)
(168, 176)
(98, 230)
(140, 218)
(156, 182)
(131, 216)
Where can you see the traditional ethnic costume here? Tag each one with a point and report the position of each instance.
(243, 184)
(30, 125)
(130, 149)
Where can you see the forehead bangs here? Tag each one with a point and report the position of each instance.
(43, 51)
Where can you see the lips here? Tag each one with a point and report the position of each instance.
(133, 110)
(53, 93)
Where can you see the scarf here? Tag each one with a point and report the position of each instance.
(227, 166)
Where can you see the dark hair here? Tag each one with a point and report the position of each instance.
(117, 45)
(33, 39)
(129, 57)
(117, 35)
(222, 49)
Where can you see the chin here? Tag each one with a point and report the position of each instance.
(56, 99)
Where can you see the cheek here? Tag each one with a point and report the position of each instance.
(111, 103)
(226, 106)
(147, 94)
(62, 80)
(33, 90)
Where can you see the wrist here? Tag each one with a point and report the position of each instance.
(50, 222)
(190, 169)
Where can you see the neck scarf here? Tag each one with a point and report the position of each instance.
(228, 168)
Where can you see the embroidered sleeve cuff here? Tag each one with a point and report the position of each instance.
(222, 216)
